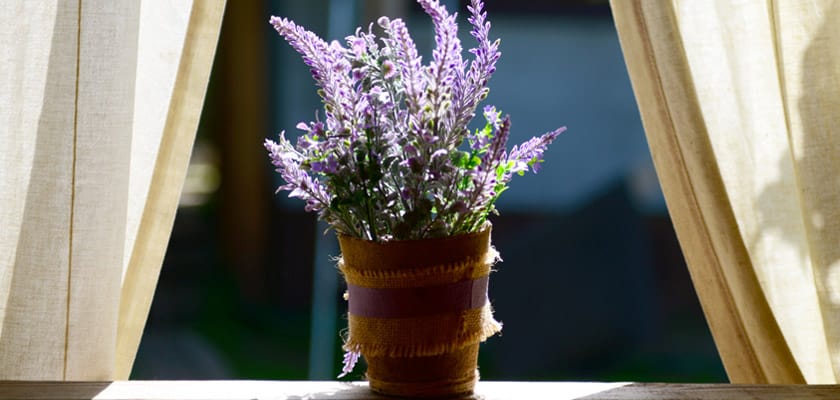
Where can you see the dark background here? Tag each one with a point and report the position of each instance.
(593, 285)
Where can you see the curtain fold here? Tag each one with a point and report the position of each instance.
(738, 101)
(74, 112)
(171, 113)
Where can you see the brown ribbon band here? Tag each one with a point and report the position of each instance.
(419, 301)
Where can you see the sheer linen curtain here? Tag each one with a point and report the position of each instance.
(99, 104)
(741, 106)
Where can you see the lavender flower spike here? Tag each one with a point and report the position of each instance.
(350, 360)
(530, 153)
(298, 182)
(496, 152)
(329, 68)
(481, 68)
(308, 44)
(447, 61)
(409, 62)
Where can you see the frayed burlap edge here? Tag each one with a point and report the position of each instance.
(420, 336)
(426, 276)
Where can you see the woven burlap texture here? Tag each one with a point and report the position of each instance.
(418, 263)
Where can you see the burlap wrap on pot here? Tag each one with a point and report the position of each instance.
(418, 310)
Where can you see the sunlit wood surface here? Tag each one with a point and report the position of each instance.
(247, 390)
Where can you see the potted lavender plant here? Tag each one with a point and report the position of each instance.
(395, 171)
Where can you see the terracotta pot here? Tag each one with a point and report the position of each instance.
(418, 310)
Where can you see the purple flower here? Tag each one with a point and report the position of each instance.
(359, 74)
(492, 116)
(496, 152)
(329, 68)
(389, 160)
(359, 46)
(475, 81)
(350, 360)
(530, 153)
(388, 69)
(446, 64)
(298, 182)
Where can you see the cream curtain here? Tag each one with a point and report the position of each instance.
(740, 101)
(99, 103)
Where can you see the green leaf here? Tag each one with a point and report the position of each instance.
(499, 189)
(500, 171)
(464, 183)
(459, 159)
(487, 130)
(474, 162)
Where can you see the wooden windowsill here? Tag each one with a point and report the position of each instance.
(183, 390)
